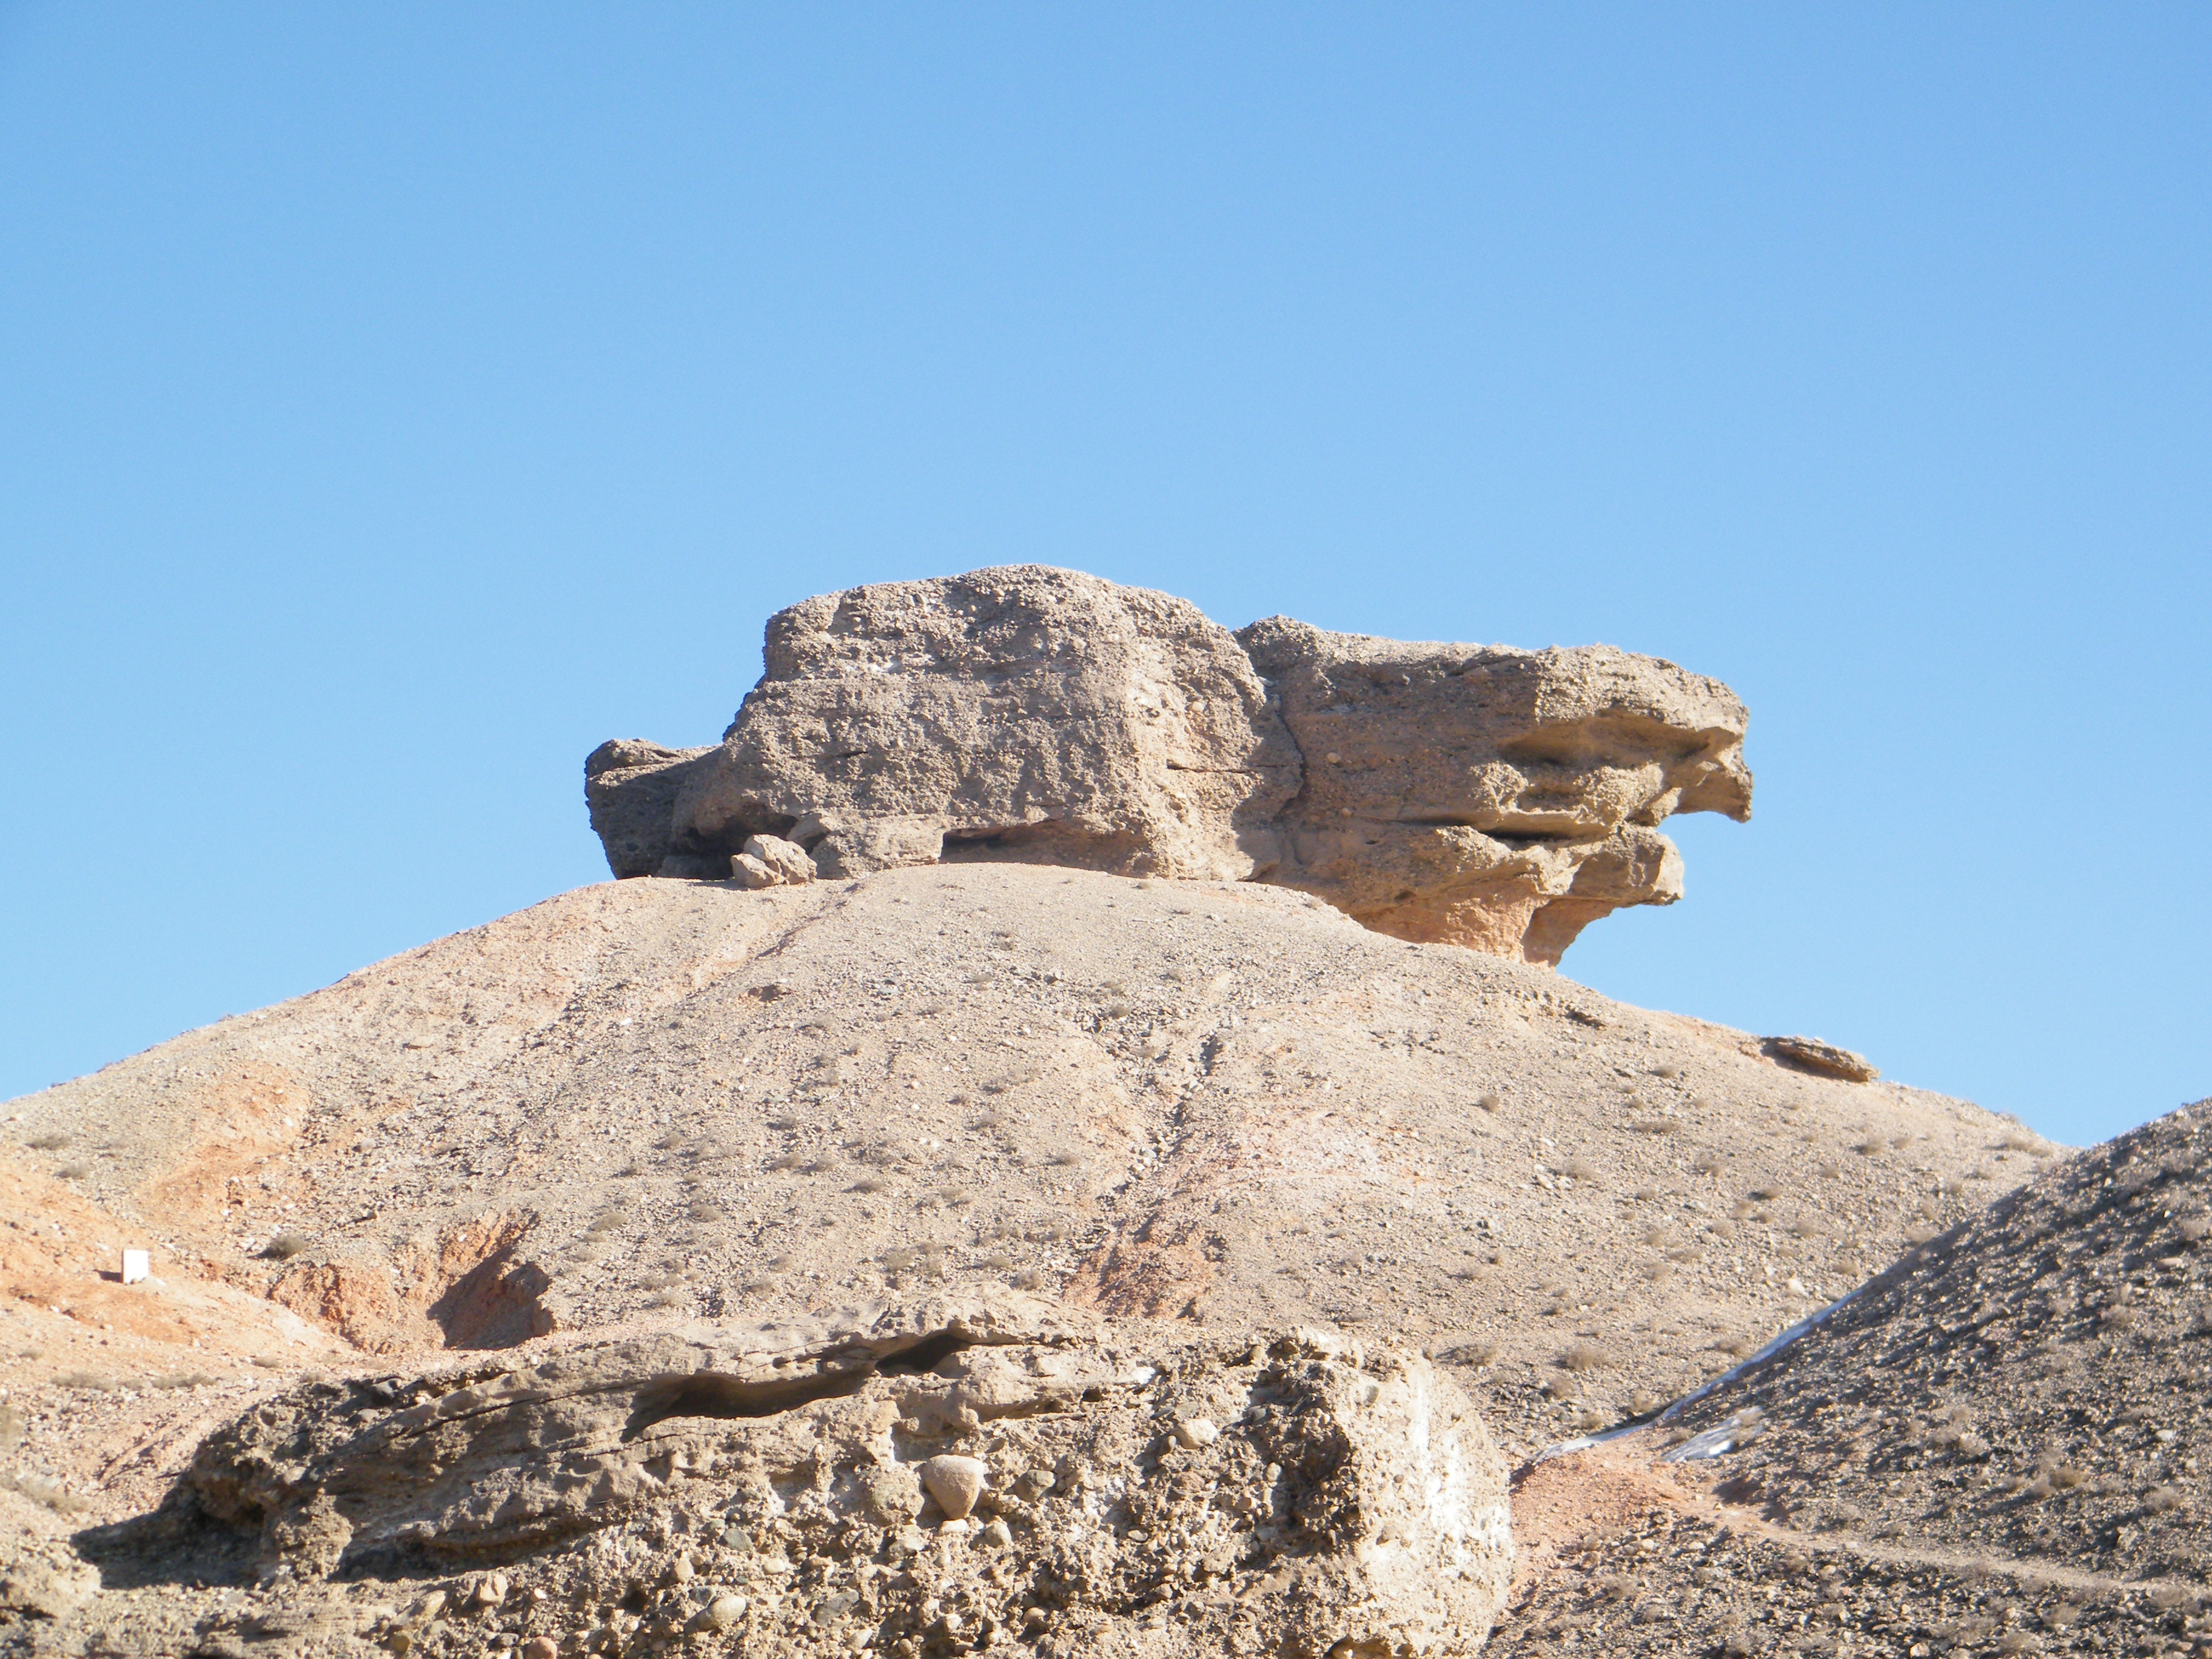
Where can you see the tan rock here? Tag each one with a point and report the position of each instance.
(1195, 1432)
(1021, 712)
(1822, 1059)
(791, 862)
(956, 1483)
(630, 787)
(1491, 797)
(1351, 1494)
(723, 1613)
(1473, 795)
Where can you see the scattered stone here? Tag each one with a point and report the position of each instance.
(787, 858)
(1822, 1059)
(725, 1612)
(956, 1483)
(1193, 1432)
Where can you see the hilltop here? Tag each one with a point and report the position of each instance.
(1030, 946)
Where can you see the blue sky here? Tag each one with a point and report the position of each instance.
(396, 401)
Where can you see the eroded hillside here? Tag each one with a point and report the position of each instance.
(1217, 1101)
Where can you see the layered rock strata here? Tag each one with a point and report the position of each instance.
(937, 1477)
(1490, 797)
(1481, 796)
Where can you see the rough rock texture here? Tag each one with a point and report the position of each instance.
(740, 1489)
(1471, 795)
(1822, 1059)
(631, 788)
(1023, 713)
(784, 861)
(1490, 797)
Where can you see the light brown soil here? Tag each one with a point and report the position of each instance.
(1222, 1103)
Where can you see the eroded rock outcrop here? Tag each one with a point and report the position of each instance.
(932, 1479)
(1490, 797)
(1023, 712)
(1475, 795)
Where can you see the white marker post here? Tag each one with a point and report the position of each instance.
(137, 1265)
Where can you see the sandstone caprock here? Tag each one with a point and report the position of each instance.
(1473, 795)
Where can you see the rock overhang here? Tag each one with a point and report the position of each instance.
(1477, 795)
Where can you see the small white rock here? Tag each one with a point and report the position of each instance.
(1195, 1431)
(998, 1533)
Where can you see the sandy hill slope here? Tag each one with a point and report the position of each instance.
(1025, 937)
(1221, 1103)
(1998, 1445)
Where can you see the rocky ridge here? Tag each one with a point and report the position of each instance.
(1999, 1444)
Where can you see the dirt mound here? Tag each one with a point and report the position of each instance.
(653, 1102)
(1998, 1444)
(1219, 1102)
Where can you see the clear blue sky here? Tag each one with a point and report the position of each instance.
(397, 400)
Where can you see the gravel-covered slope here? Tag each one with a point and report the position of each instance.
(1217, 1101)
(1999, 1445)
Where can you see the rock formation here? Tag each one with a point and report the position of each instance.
(1489, 797)
(1023, 713)
(1480, 796)
(932, 1479)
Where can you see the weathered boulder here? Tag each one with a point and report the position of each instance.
(1021, 712)
(1491, 797)
(1475, 795)
(763, 1489)
(630, 787)
(772, 862)
(1821, 1059)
